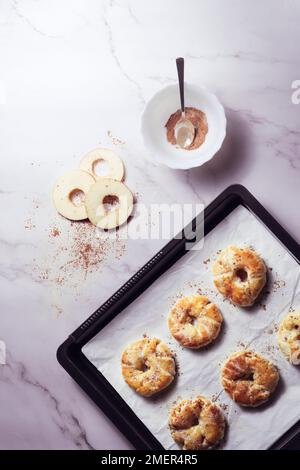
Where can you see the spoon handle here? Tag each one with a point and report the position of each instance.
(180, 71)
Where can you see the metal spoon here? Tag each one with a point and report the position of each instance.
(184, 130)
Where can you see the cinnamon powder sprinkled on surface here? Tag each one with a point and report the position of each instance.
(115, 140)
(29, 225)
(58, 310)
(87, 250)
(55, 232)
(77, 250)
(278, 284)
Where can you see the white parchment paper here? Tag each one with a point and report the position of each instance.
(199, 371)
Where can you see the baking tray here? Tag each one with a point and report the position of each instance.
(70, 354)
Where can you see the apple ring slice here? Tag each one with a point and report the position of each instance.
(69, 193)
(95, 203)
(115, 165)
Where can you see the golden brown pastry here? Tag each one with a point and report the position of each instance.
(148, 366)
(239, 274)
(249, 378)
(194, 321)
(196, 424)
(289, 337)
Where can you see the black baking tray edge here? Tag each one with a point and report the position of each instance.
(72, 359)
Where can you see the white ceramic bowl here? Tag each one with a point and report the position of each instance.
(157, 112)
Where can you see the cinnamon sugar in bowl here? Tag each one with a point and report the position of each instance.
(161, 111)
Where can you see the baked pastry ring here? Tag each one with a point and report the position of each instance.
(239, 274)
(95, 207)
(115, 165)
(289, 337)
(249, 378)
(148, 366)
(66, 187)
(196, 424)
(194, 321)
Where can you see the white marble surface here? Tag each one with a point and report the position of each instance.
(76, 73)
